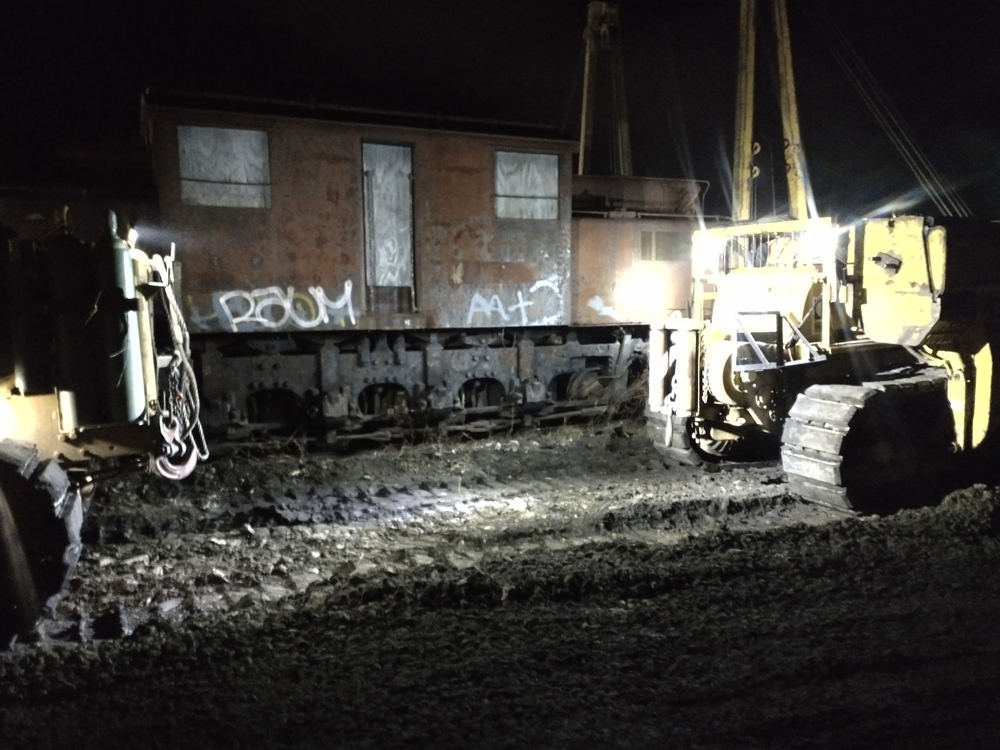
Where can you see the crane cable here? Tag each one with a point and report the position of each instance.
(944, 196)
(182, 387)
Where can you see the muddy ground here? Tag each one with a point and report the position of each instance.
(542, 589)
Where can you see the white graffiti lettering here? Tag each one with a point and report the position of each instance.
(480, 306)
(552, 285)
(274, 307)
(596, 303)
(516, 309)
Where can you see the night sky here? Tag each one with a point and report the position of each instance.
(71, 75)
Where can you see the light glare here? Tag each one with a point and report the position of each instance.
(7, 418)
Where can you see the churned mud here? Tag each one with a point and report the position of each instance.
(542, 589)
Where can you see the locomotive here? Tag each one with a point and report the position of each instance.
(350, 272)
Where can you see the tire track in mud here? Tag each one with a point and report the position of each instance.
(627, 566)
(243, 534)
(749, 637)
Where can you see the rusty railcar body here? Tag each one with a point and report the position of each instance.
(346, 271)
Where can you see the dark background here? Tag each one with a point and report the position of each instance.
(72, 73)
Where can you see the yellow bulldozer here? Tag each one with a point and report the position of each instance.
(862, 352)
(95, 378)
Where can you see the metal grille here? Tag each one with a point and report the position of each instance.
(763, 249)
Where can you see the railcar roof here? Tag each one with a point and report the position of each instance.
(155, 98)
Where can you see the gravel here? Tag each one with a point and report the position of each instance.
(543, 589)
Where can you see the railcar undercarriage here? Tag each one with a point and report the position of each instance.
(337, 388)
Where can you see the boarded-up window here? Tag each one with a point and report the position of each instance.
(388, 214)
(224, 167)
(527, 185)
(664, 246)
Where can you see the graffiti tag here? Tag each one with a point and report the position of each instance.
(274, 307)
(517, 308)
(596, 303)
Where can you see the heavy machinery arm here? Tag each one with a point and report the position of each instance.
(602, 40)
(85, 389)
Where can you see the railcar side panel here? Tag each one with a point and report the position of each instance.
(630, 270)
(300, 255)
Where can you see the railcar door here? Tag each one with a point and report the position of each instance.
(388, 197)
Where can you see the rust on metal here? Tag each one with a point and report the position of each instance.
(612, 281)
(299, 262)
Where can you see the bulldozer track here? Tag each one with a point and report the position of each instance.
(40, 519)
(850, 446)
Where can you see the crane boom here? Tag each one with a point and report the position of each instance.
(745, 148)
(794, 160)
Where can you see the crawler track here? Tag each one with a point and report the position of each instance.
(855, 446)
(40, 519)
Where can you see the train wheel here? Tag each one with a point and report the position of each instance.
(40, 519)
(585, 385)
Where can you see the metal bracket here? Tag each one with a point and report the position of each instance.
(763, 363)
